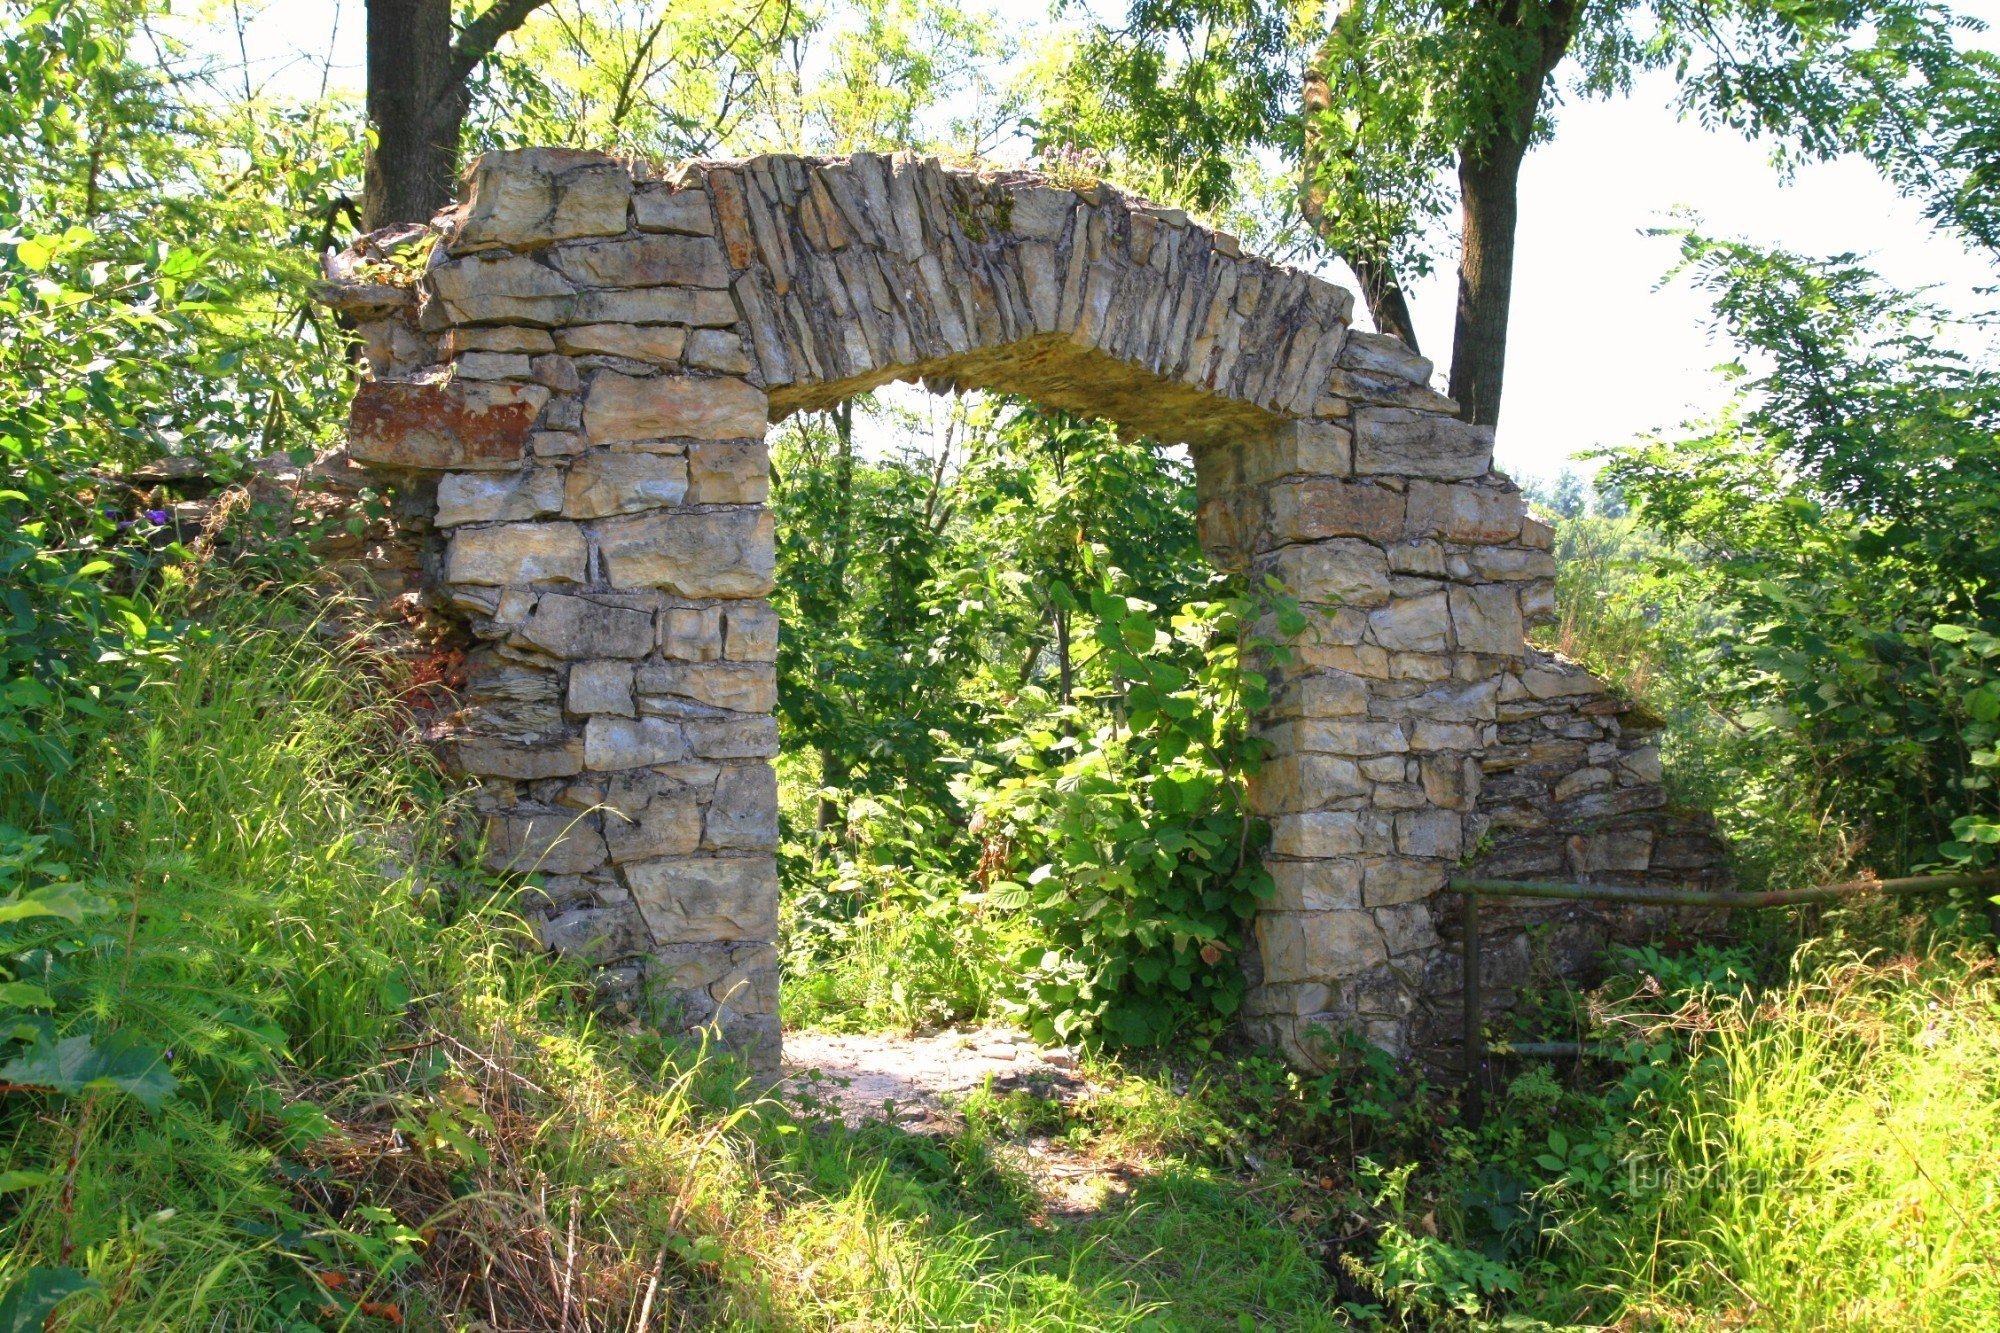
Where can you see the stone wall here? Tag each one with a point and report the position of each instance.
(571, 375)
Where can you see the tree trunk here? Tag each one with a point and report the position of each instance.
(417, 100)
(1384, 294)
(1489, 187)
(416, 109)
(833, 774)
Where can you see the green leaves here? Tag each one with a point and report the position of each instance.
(81, 1064)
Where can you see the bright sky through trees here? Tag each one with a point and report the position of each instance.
(1600, 352)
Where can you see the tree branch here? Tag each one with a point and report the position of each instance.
(479, 37)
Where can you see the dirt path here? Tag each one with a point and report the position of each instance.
(912, 1080)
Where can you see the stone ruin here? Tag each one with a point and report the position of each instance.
(570, 390)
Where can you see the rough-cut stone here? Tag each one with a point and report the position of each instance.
(720, 553)
(493, 366)
(1309, 946)
(1413, 624)
(729, 472)
(611, 743)
(491, 756)
(501, 289)
(1463, 513)
(498, 497)
(517, 553)
(459, 424)
(719, 349)
(551, 842)
(706, 898)
(1396, 441)
(601, 485)
(667, 825)
(601, 687)
(643, 261)
(531, 196)
(691, 633)
(750, 632)
(576, 628)
(683, 211)
(619, 407)
(661, 344)
(501, 338)
(744, 814)
(742, 687)
(1313, 448)
(655, 305)
(1349, 572)
(1313, 509)
(1487, 619)
(734, 738)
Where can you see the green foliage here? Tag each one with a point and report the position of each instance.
(1132, 847)
(1827, 524)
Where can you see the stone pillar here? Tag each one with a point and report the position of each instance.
(1383, 517)
(594, 442)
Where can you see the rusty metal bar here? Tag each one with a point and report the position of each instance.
(1605, 893)
(1474, 1044)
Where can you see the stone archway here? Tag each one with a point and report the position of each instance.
(576, 389)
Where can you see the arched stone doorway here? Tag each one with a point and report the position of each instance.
(578, 385)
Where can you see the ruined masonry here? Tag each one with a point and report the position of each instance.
(572, 389)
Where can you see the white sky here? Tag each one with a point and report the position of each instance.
(1598, 351)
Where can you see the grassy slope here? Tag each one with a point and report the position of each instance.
(382, 1092)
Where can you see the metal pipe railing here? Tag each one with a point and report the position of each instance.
(1474, 1039)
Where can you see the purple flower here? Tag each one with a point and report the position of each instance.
(157, 515)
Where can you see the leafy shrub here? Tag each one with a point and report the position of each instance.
(1131, 846)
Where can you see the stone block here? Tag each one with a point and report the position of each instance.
(667, 825)
(516, 553)
(1581, 781)
(1399, 442)
(1552, 681)
(734, 737)
(492, 366)
(497, 497)
(1320, 694)
(1412, 624)
(611, 743)
(742, 687)
(744, 814)
(501, 289)
(463, 425)
(729, 472)
(1425, 558)
(556, 444)
(1501, 564)
(750, 632)
(1389, 880)
(690, 899)
(1487, 619)
(533, 196)
(1611, 850)
(620, 408)
(601, 687)
(691, 633)
(661, 344)
(1310, 448)
(643, 261)
(1321, 885)
(576, 628)
(658, 208)
(1383, 354)
(1312, 509)
(1439, 833)
(1318, 833)
(720, 553)
(719, 349)
(499, 338)
(1349, 736)
(489, 756)
(1406, 928)
(1463, 513)
(1296, 782)
(1342, 571)
(1318, 946)
(550, 842)
(694, 306)
(601, 485)
(1429, 737)
(596, 935)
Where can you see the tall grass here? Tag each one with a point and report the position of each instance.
(1829, 1159)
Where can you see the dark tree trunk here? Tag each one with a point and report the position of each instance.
(834, 773)
(416, 109)
(1384, 295)
(1489, 188)
(1525, 43)
(417, 100)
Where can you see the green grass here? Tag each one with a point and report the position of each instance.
(389, 1100)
